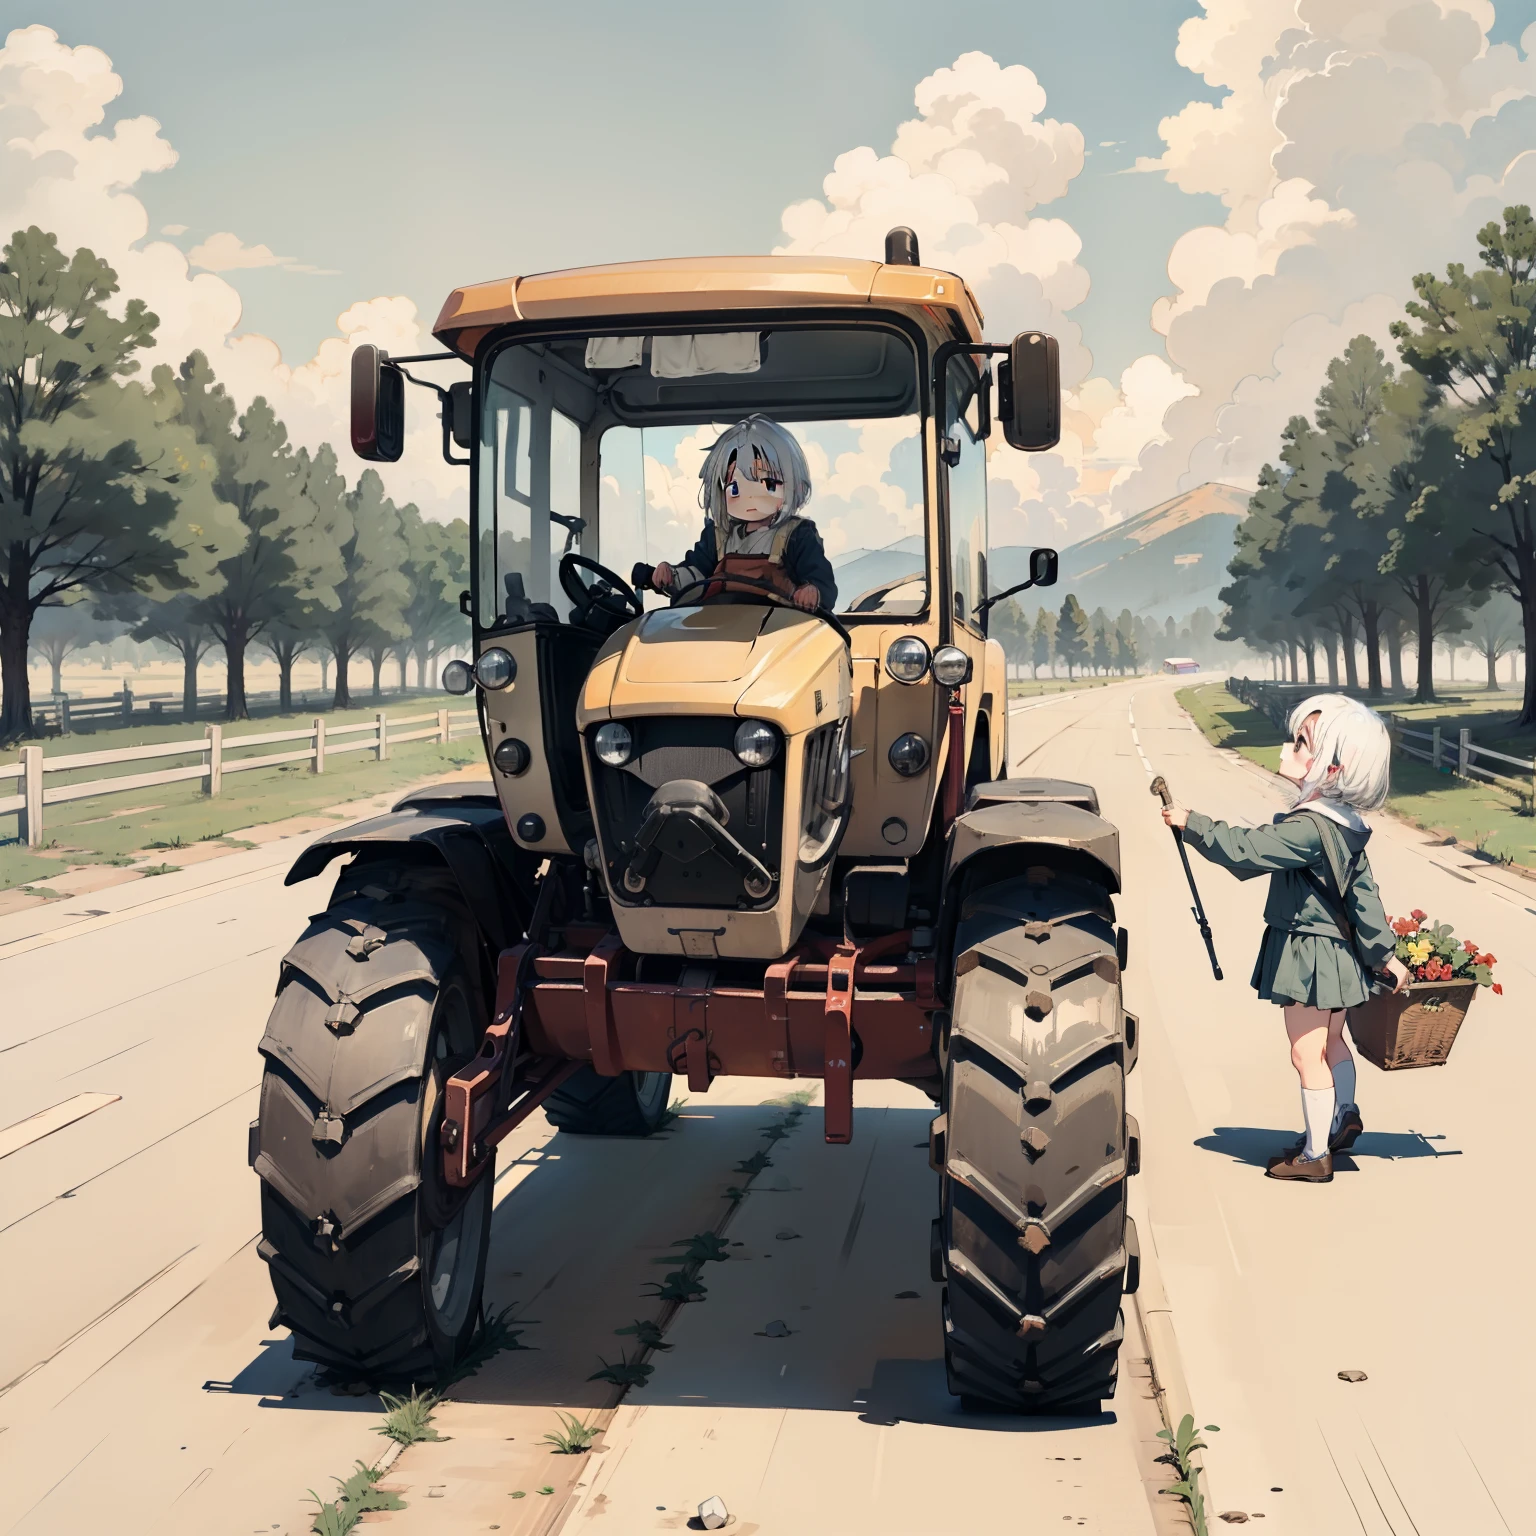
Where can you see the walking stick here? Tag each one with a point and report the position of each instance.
(1160, 789)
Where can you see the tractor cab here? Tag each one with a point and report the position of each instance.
(718, 757)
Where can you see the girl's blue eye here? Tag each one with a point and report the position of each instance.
(733, 489)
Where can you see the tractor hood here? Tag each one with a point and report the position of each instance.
(724, 658)
(694, 645)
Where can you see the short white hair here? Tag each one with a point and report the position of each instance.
(1356, 739)
(758, 443)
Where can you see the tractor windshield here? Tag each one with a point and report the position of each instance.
(593, 444)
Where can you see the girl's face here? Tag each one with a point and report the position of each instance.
(1298, 755)
(753, 500)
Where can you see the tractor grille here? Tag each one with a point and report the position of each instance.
(668, 748)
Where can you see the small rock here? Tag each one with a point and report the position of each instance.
(1233, 1517)
(777, 1329)
(713, 1513)
(1353, 1376)
(786, 1236)
(437, 1493)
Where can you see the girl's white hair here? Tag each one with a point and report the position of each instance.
(1355, 738)
(762, 439)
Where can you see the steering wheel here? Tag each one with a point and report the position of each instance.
(609, 584)
(772, 591)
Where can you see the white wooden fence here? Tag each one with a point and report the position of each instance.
(1463, 757)
(316, 744)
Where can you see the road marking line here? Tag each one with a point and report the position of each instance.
(33, 941)
(46, 1121)
(1130, 714)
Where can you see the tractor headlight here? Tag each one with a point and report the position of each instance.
(613, 744)
(496, 668)
(512, 756)
(908, 754)
(757, 743)
(951, 666)
(457, 677)
(907, 659)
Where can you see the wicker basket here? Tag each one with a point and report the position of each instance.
(1412, 1028)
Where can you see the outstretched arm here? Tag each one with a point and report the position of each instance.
(1248, 851)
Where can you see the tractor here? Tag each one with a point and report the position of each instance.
(724, 832)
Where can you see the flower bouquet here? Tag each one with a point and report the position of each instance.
(1418, 1026)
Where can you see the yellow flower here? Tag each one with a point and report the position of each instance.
(1419, 951)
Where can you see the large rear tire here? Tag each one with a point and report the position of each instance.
(1035, 1147)
(631, 1104)
(377, 1263)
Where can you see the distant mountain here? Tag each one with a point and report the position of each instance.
(1169, 560)
(858, 570)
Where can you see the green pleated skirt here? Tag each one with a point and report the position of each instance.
(1308, 968)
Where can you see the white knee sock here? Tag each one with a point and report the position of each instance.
(1317, 1110)
(1343, 1086)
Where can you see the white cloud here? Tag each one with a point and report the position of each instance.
(173, 229)
(224, 252)
(1358, 143)
(64, 170)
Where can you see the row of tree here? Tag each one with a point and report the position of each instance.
(179, 519)
(1404, 512)
(1095, 642)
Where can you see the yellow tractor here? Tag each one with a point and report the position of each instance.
(749, 812)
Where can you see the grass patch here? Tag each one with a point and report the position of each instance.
(1228, 722)
(1033, 687)
(496, 1334)
(408, 1420)
(573, 1437)
(357, 1496)
(20, 866)
(108, 828)
(1182, 1445)
(1498, 826)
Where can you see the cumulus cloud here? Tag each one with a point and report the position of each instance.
(226, 252)
(63, 168)
(1356, 144)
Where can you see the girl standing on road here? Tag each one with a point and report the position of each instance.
(1325, 930)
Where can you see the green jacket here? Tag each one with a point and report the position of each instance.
(1297, 841)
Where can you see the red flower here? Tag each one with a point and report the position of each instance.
(1418, 915)
(1498, 988)
(1486, 960)
(1470, 946)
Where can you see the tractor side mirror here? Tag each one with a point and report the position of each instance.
(461, 417)
(1029, 392)
(378, 406)
(1042, 567)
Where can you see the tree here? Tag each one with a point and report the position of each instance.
(372, 593)
(436, 571)
(1493, 631)
(176, 621)
(285, 644)
(1103, 651)
(1042, 641)
(61, 630)
(1471, 336)
(101, 490)
(1073, 636)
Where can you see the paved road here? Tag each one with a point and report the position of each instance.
(1413, 1265)
(145, 1393)
(140, 1389)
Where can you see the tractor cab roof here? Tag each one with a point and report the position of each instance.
(686, 285)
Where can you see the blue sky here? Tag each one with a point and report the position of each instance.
(342, 160)
(410, 153)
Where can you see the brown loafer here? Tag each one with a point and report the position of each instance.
(1345, 1135)
(1317, 1170)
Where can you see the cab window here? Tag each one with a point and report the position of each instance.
(964, 457)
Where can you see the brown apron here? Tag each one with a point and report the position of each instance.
(769, 567)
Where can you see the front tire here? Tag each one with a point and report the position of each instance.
(1033, 1236)
(631, 1104)
(377, 1263)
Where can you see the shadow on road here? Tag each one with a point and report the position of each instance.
(915, 1392)
(1254, 1146)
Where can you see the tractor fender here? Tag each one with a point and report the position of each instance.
(1018, 824)
(462, 825)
